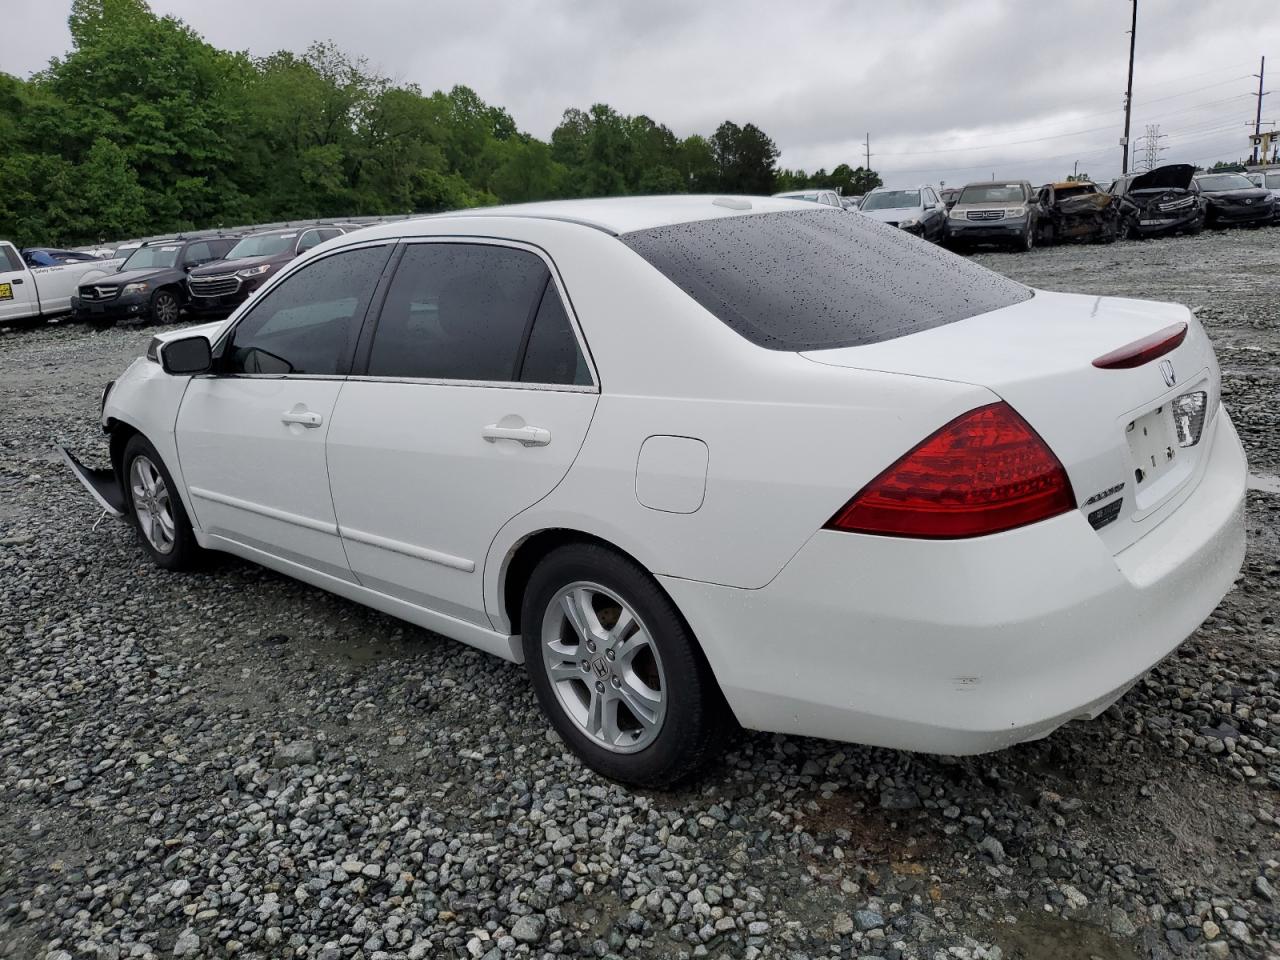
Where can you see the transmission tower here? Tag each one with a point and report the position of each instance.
(1151, 149)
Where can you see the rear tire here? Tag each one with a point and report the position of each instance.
(616, 669)
(156, 509)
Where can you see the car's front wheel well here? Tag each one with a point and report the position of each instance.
(119, 433)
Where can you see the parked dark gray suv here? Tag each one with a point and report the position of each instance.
(151, 284)
(1002, 212)
(220, 287)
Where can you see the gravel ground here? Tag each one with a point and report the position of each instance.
(233, 764)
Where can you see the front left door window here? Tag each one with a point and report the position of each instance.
(251, 436)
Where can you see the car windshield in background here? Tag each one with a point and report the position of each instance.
(992, 193)
(811, 197)
(1272, 181)
(892, 199)
(266, 245)
(816, 280)
(1226, 181)
(1077, 191)
(158, 256)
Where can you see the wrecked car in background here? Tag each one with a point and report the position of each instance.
(1078, 210)
(1232, 198)
(1161, 201)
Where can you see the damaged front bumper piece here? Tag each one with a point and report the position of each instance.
(103, 484)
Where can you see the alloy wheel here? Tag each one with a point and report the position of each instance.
(604, 667)
(152, 505)
(165, 308)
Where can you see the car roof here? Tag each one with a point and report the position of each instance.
(619, 215)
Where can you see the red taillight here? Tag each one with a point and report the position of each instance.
(985, 471)
(1145, 350)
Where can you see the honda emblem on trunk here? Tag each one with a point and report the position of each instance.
(1166, 369)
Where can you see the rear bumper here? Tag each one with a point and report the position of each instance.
(960, 647)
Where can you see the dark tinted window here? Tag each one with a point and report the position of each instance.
(457, 311)
(198, 253)
(552, 355)
(811, 280)
(309, 322)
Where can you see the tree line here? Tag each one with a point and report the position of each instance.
(143, 128)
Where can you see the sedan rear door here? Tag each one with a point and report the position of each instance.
(471, 401)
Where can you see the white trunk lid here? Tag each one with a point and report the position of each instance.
(1104, 425)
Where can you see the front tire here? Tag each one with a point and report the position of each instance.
(164, 306)
(617, 670)
(156, 509)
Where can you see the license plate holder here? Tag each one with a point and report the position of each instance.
(1153, 446)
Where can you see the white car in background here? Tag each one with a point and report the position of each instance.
(828, 198)
(1269, 180)
(696, 460)
(33, 293)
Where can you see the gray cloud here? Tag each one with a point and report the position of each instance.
(947, 91)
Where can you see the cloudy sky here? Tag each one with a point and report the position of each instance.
(955, 91)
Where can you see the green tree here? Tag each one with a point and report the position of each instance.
(746, 159)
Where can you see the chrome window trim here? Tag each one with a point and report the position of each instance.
(487, 384)
(565, 301)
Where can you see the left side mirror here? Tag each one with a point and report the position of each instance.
(186, 356)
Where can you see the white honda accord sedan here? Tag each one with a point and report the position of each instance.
(705, 460)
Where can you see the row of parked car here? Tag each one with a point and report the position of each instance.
(1012, 213)
(202, 274)
(212, 272)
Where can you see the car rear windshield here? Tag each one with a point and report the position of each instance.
(821, 279)
(1078, 190)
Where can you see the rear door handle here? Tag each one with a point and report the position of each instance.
(305, 417)
(528, 436)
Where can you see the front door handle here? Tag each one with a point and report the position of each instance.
(528, 436)
(305, 417)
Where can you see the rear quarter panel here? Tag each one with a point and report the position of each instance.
(789, 441)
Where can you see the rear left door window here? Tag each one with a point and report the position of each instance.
(458, 311)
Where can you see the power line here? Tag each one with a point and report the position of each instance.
(1056, 136)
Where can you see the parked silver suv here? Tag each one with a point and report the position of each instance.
(916, 210)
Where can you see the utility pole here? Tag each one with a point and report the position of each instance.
(868, 146)
(1128, 94)
(1257, 120)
